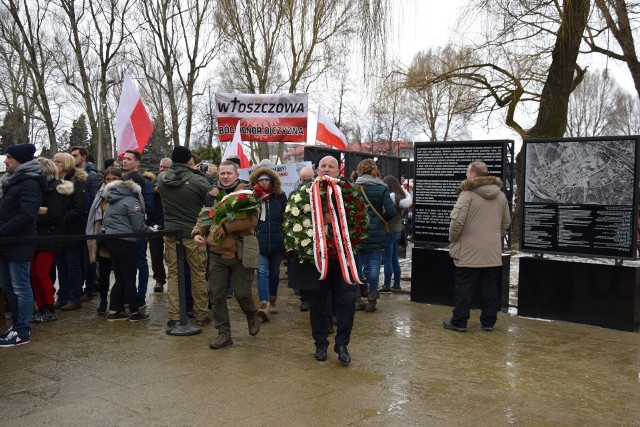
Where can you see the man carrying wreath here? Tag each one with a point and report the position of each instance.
(222, 240)
(305, 276)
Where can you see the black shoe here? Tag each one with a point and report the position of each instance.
(138, 317)
(487, 328)
(384, 290)
(117, 316)
(172, 323)
(304, 306)
(203, 322)
(396, 287)
(102, 308)
(343, 354)
(321, 353)
(448, 325)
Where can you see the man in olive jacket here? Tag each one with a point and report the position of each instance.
(182, 192)
(479, 219)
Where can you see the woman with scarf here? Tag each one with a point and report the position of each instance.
(381, 209)
(97, 250)
(50, 223)
(266, 183)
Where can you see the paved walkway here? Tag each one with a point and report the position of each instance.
(406, 371)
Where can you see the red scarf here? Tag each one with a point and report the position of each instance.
(258, 191)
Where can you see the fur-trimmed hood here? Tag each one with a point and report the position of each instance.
(275, 179)
(65, 188)
(118, 190)
(117, 184)
(150, 176)
(487, 187)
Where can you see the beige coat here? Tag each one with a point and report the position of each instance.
(479, 219)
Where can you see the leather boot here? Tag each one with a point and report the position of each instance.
(359, 303)
(272, 305)
(371, 302)
(263, 311)
(252, 322)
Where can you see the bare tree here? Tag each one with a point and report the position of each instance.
(441, 110)
(94, 39)
(594, 104)
(180, 38)
(291, 43)
(618, 18)
(28, 19)
(626, 115)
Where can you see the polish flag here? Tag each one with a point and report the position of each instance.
(236, 149)
(133, 125)
(328, 132)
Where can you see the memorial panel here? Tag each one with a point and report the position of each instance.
(439, 169)
(580, 197)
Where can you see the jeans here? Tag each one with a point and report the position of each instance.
(268, 275)
(143, 268)
(370, 262)
(69, 264)
(391, 263)
(14, 281)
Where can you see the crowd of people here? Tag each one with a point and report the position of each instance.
(68, 196)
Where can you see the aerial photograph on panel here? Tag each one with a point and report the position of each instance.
(580, 172)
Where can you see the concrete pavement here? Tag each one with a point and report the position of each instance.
(406, 371)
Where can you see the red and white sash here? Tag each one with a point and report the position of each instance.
(339, 226)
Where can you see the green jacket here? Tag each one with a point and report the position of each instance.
(182, 192)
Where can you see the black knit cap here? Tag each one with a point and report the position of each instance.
(23, 153)
(181, 154)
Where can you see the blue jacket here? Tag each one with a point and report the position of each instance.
(93, 177)
(378, 194)
(19, 205)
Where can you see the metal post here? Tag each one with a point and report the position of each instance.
(184, 328)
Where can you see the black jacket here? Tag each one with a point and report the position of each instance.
(74, 216)
(52, 223)
(21, 195)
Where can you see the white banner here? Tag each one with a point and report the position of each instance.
(288, 173)
(263, 118)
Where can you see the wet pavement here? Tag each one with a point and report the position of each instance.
(406, 371)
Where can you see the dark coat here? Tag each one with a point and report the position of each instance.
(378, 195)
(74, 215)
(93, 178)
(269, 229)
(305, 276)
(52, 222)
(19, 206)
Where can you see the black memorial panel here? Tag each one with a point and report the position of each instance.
(433, 278)
(594, 294)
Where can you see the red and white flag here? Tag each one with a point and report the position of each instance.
(236, 149)
(329, 133)
(133, 125)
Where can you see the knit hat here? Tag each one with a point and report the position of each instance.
(264, 176)
(181, 154)
(23, 153)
